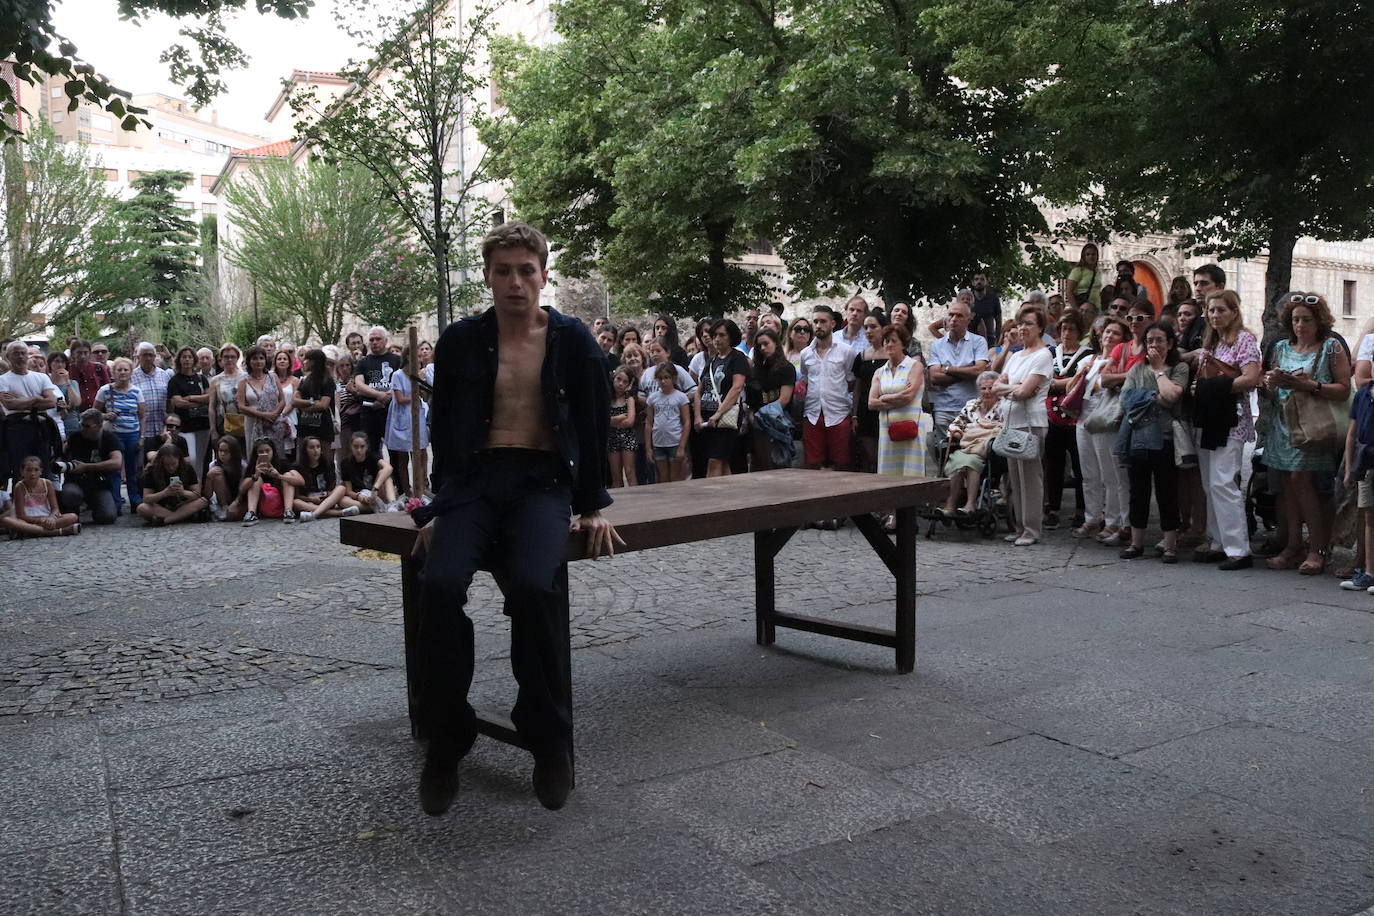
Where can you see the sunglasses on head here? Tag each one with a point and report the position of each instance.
(1305, 300)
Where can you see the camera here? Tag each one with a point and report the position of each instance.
(61, 467)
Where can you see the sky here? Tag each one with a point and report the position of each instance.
(128, 54)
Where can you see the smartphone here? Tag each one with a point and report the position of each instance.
(174, 482)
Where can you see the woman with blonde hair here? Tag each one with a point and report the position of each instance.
(1228, 370)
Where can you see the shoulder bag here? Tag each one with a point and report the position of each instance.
(1015, 442)
(1105, 416)
(728, 419)
(1312, 420)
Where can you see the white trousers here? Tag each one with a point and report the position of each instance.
(1104, 486)
(1226, 524)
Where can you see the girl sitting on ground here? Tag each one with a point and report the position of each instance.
(321, 495)
(227, 482)
(171, 490)
(367, 478)
(268, 469)
(35, 506)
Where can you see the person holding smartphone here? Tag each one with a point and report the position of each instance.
(171, 490)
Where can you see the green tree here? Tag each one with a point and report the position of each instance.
(657, 141)
(301, 233)
(51, 201)
(1242, 125)
(32, 43)
(405, 120)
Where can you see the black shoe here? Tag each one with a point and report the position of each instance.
(1245, 562)
(439, 779)
(553, 779)
(1132, 553)
(1208, 556)
(1051, 520)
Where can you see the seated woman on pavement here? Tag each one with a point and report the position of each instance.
(171, 490)
(972, 432)
(319, 493)
(226, 481)
(367, 478)
(34, 506)
(268, 488)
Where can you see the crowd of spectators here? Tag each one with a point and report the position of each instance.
(1093, 391)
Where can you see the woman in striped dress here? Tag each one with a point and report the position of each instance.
(896, 394)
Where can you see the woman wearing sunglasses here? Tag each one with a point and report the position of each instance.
(1310, 361)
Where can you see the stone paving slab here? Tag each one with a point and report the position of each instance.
(1071, 722)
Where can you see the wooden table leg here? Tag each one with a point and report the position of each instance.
(766, 546)
(410, 617)
(905, 574)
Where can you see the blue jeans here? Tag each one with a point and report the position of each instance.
(510, 515)
(129, 446)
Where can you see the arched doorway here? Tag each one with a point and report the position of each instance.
(1147, 277)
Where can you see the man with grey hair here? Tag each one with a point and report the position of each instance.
(24, 396)
(955, 361)
(373, 380)
(269, 346)
(152, 381)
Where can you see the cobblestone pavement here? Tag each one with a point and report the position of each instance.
(212, 719)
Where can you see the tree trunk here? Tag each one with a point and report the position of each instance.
(717, 233)
(441, 243)
(1278, 276)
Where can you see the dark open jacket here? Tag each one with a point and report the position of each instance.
(577, 399)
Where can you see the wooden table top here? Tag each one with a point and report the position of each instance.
(661, 515)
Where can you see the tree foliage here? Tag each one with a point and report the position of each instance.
(392, 285)
(31, 41)
(658, 139)
(51, 201)
(144, 267)
(413, 100)
(301, 234)
(1243, 125)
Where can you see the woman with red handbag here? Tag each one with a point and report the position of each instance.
(896, 395)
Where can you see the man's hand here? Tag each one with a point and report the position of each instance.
(420, 551)
(601, 534)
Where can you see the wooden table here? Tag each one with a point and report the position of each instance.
(771, 505)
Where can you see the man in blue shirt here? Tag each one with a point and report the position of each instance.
(955, 361)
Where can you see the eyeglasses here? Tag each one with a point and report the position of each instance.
(174, 426)
(100, 352)
(1305, 300)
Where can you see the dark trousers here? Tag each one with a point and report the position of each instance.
(98, 497)
(1156, 467)
(1061, 442)
(511, 517)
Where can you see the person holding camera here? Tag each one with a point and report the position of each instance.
(171, 492)
(92, 464)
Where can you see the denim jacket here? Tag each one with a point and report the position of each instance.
(577, 401)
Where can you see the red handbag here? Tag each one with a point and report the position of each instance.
(903, 430)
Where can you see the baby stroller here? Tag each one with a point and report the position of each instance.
(991, 507)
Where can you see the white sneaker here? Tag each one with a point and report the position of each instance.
(307, 517)
(349, 512)
(398, 506)
(219, 513)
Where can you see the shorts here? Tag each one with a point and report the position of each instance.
(716, 443)
(823, 444)
(665, 452)
(1365, 496)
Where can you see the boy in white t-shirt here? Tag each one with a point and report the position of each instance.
(667, 416)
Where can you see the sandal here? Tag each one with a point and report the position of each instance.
(1287, 559)
(1311, 567)
(1132, 553)
(1168, 556)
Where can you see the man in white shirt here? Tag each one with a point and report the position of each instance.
(827, 371)
(24, 395)
(955, 361)
(852, 334)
